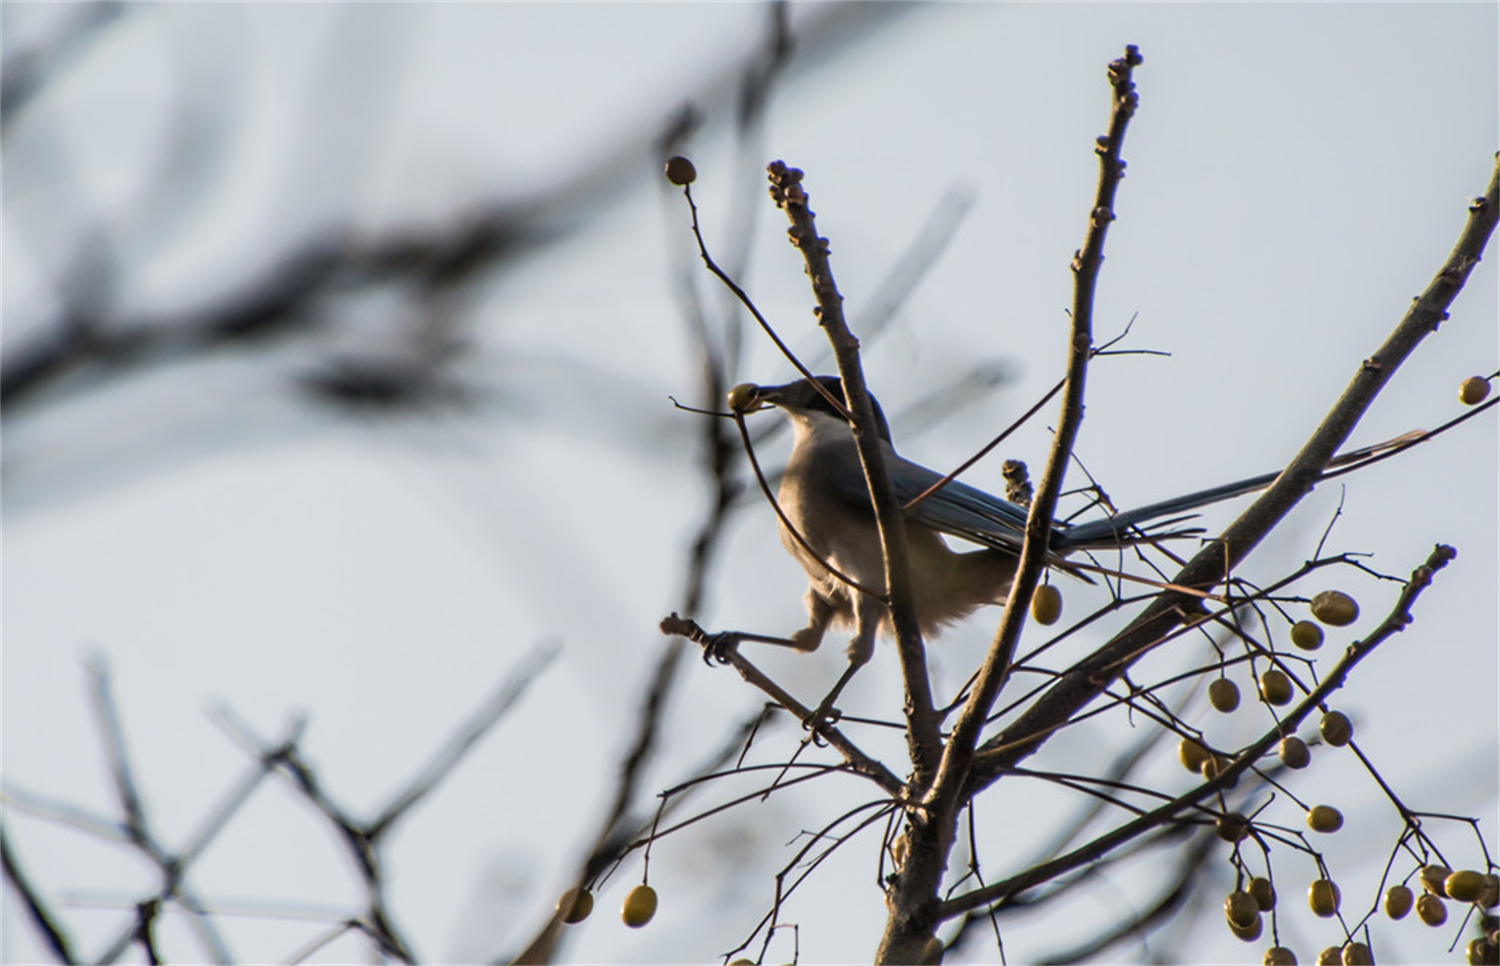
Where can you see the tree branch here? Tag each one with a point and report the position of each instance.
(922, 721)
(914, 898)
(1085, 681)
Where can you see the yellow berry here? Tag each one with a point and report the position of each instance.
(1398, 900)
(1307, 635)
(1330, 956)
(680, 170)
(1323, 897)
(639, 906)
(1275, 687)
(1335, 607)
(1241, 909)
(742, 398)
(1046, 604)
(1473, 390)
(1191, 754)
(1232, 827)
(1336, 728)
(1324, 818)
(1490, 897)
(1293, 752)
(1215, 766)
(1430, 909)
(1357, 954)
(1249, 933)
(575, 905)
(1264, 893)
(1279, 956)
(1481, 952)
(1465, 885)
(1223, 695)
(1433, 877)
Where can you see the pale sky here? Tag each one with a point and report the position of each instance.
(1297, 173)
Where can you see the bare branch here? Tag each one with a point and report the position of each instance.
(36, 907)
(1397, 620)
(1082, 683)
(922, 720)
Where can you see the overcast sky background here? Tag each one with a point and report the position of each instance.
(1297, 173)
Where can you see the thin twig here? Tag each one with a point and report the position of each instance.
(1397, 620)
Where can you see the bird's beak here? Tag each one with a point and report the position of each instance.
(747, 397)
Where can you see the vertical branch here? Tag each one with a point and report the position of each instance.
(913, 899)
(922, 722)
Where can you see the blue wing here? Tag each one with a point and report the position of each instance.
(971, 514)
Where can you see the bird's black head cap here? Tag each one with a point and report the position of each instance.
(802, 395)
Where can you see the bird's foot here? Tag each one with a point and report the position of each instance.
(824, 716)
(718, 647)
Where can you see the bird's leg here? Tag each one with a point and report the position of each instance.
(717, 647)
(820, 612)
(867, 614)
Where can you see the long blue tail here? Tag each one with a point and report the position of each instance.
(1120, 528)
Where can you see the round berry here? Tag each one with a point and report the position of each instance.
(1398, 901)
(680, 171)
(1241, 909)
(1293, 752)
(1473, 390)
(1335, 607)
(1275, 687)
(575, 905)
(1465, 885)
(1307, 635)
(1224, 695)
(1264, 893)
(1232, 827)
(1430, 909)
(639, 906)
(1191, 754)
(1046, 604)
(1433, 877)
(1323, 897)
(1336, 728)
(1325, 819)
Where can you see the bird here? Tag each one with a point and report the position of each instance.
(827, 524)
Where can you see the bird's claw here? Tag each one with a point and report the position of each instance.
(718, 647)
(826, 715)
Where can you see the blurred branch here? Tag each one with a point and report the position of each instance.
(173, 868)
(717, 350)
(363, 840)
(283, 300)
(1171, 896)
(29, 70)
(41, 916)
